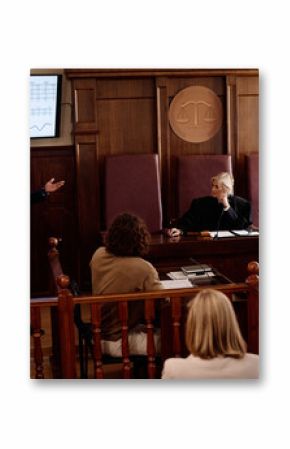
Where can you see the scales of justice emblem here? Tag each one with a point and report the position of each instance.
(195, 114)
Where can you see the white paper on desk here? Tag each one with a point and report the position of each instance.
(177, 275)
(243, 232)
(177, 284)
(221, 234)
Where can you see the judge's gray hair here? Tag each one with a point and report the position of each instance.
(224, 179)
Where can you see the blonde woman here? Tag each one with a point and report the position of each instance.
(221, 210)
(213, 338)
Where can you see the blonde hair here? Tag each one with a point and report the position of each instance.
(212, 328)
(225, 180)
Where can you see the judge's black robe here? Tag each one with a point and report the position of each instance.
(207, 214)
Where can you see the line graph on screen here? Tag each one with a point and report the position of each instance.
(44, 105)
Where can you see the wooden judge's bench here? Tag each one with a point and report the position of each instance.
(229, 256)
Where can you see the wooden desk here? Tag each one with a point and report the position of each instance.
(229, 256)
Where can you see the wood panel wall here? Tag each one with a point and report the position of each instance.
(125, 112)
(54, 216)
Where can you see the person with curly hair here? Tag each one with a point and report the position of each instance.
(119, 267)
(213, 338)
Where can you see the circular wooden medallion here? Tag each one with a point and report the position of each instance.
(195, 114)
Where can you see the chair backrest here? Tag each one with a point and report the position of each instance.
(132, 184)
(194, 174)
(252, 164)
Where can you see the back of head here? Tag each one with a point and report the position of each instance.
(225, 180)
(128, 236)
(212, 329)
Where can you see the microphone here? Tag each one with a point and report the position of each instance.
(218, 226)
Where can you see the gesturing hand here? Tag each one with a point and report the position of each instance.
(52, 186)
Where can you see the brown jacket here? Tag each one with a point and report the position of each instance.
(112, 274)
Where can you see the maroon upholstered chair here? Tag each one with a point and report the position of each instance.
(132, 184)
(252, 164)
(194, 175)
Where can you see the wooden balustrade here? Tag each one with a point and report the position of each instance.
(36, 334)
(176, 317)
(151, 352)
(96, 322)
(66, 333)
(253, 307)
(65, 302)
(123, 314)
(36, 304)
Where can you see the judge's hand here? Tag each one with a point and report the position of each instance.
(173, 232)
(175, 239)
(222, 198)
(52, 186)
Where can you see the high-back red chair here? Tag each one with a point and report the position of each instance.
(132, 184)
(194, 175)
(252, 164)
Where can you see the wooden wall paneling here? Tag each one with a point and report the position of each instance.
(248, 85)
(127, 126)
(231, 117)
(55, 216)
(126, 116)
(88, 186)
(247, 99)
(163, 148)
(125, 88)
(84, 94)
(215, 83)
(126, 121)
(88, 204)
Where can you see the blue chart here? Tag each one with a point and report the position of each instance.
(43, 105)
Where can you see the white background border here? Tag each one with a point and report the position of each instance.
(190, 34)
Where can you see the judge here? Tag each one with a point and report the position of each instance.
(222, 210)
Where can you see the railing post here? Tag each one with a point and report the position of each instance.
(96, 310)
(151, 352)
(123, 313)
(253, 307)
(176, 317)
(36, 334)
(66, 329)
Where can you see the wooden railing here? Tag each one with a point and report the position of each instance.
(63, 305)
